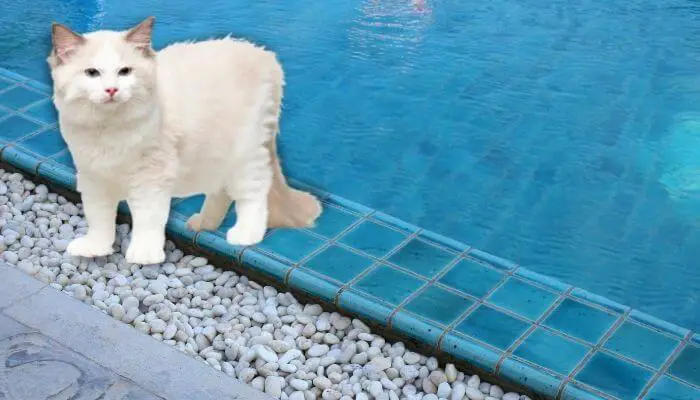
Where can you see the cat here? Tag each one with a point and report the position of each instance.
(145, 126)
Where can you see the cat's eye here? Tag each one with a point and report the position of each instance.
(92, 72)
(124, 71)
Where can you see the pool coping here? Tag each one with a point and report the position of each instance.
(561, 379)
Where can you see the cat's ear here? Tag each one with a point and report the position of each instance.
(140, 36)
(65, 42)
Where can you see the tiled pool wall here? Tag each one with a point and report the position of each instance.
(559, 341)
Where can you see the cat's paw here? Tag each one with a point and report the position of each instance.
(197, 222)
(89, 247)
(144, 254)
(245, 235)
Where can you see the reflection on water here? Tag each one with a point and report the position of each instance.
(680, 165)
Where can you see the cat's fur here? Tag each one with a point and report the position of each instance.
(191, 118)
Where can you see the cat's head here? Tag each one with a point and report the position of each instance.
(106, 68)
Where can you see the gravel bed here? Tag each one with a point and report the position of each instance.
(250, 332)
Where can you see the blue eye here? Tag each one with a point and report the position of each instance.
(124, 71)
(92, 72)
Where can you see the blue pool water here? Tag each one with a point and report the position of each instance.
(564, 135)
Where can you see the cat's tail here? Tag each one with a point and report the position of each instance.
(288, 207)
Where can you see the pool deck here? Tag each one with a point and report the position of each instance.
(501, 318)
(54, 345)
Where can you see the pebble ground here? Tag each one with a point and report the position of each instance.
(248, 331)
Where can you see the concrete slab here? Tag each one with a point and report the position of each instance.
(54, 346)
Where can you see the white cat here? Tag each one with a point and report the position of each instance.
(192, 118)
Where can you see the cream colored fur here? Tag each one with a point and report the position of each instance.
(192, 118)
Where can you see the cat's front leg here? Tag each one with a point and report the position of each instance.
(149, 213)
(100, 207)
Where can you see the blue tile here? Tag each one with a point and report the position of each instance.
(492, 327)
(580, 321)
(65, 159)
(497, 262)
(599, 300)
(16, 127)
(332, 221)
(43, 111)
(388, 284)
(422, 258)
(408, 325)
(20, 97)
(474, 353)
(45, 144)
(189, 206)
(260, 262)
(521, 297)
(374, 239)
(439, 305)
(574, 391)
(292, 244)
(57, 173)
(542, 382)
(338, 263)
(687, 365)
(614, 376)
(20, 158)
(364, 307)
(552, 351)
(641, 344)
(317, 286)
(670, 389)
(471, 277)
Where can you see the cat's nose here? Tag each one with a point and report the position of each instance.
(111, 91)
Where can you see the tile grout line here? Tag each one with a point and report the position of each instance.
(536, 324)
(570, 377)
(328, 243)
(666, 365)
(21, 112)
(480, 301)
(443, 271)
(373, 266)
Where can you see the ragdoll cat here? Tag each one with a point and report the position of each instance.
(145, 126)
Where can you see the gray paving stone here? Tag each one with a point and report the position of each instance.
(143, 361)
(15, 285)
(34, 367)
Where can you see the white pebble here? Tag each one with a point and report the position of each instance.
(474, 394)
(251, 332)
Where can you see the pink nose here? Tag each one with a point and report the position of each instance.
(111, 91)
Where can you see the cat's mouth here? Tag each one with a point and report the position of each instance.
(110, 100)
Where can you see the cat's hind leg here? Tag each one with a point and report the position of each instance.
(249, 189)
(251, 223)
(212, 214)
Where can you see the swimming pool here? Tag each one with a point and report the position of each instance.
(561, 135)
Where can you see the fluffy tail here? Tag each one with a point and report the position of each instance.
(288, 207)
